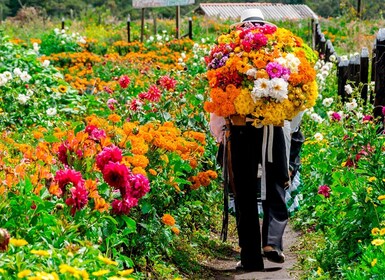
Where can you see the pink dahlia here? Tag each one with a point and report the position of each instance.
(136, 105)
(167, 83)
(95, 133)
(276, 70)
(68, 177)
(108, 154)
(153, 94)
(122, 207)
(140, 185)
(78, 198)
(111, 103)
(124, 81)
(4, 240)
(116, 175)
(324, 190)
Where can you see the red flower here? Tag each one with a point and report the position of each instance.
(95, 133)
(4, 240)
(124, 81)
(167, 83)
(153, 94)
(109, 154)
(136, 105)
(122, 207)
(324, 190)
(63, 152)
(78, 198)
(68, 176)
(116, 175)
(139, 185)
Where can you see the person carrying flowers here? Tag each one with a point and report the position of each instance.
(260, 76)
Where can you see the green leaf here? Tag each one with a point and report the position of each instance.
(50, 138)
(146, 207)
(130, 223)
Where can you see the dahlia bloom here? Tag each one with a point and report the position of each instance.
(123, 207)
(68, 176)
(108, 154)
(140, 185)
(124, 81)
(95, 133)
(153, 94)
(78, 198)
(167, 83)
(324, 190)
(116, 175)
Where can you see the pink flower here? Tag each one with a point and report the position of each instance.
(336, 117)
(367, 118)
(110, 103)
(78, 198)
(95, 133)
(276, 70)
(268, 29)
(124, 81)
(153, 94)
(116, 175)
(4, 240)
(122, 207)
(67, 177)
(167, 83)
(109, 154)
(136, 105)
(108, 90)
(140, 185)
(383, 110)
(324, 190)
(63, 152)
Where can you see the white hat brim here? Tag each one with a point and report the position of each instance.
(238, 24)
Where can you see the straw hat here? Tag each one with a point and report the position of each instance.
(253, 16)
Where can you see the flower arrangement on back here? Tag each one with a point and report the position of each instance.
(261, 71)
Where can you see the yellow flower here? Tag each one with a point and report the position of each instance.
(100, 272)
(2, 271)
(62, 88)
(319, 271)
(373, 263)
(382, 232)
(18, 242)
(24, 273)
(375, 231)
(371, 179)
(126, 272)
(369, 190)
(107, 260)
(378, 242)
(40, 252)
(381, 197)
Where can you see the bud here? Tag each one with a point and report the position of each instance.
(4, 240)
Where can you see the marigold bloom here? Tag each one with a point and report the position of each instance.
(175, 230)
(24, 273)
(126, 272)
(100, 272)
(169, 220)
(375, 231)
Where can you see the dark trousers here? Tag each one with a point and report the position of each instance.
(246, 154)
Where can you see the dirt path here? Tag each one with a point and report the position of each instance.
(224, 269)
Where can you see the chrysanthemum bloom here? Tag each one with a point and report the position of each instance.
(169, 220)
(4, 240)
(324, 190)
(123, 207)
(167, 83)
(78, 198)
(116, 175)
(95, 133)
(153, 94)
(108, 154)
(140, 185)
(124, 81)
(66, 177)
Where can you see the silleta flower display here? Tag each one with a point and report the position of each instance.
(261, 71)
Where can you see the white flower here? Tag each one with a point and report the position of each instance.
(333, 58)
(46, 63)
(82, 40)
(327, 102)
(22, 98)
(36, 47)
(25, 77)
(351, 105)
(56, 30)
(348, 89)
(292, 62)
(51, 112)
(183, 55)
(203, 40)
(17, 71)
(261, 89)
(278, 89)
(317, 118)
(318, 136)
(251, 72)
(151, 38)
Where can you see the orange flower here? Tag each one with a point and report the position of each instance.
(169, 220)
(175, 230)
(114, 118)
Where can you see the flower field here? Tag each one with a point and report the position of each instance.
(108, 169)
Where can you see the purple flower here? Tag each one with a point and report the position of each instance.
(324, 190)
(275, 70)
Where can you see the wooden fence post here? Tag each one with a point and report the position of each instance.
(129, 29)
(329, 50)
(354, 70)
(379, 89)
(190, 28)
(342, 76)
(364, 73)
(62, 23)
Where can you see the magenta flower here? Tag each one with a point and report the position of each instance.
(109, 154)
(63, 152)
(167, 83)
(259, 41)
(122, 207)
(111, 103)
(136, 105)
(140, 185)
(116, 175)
(336, 117)
(95, 133)
(324, 190)
(367, 118)
(78, 198)
(275, 70)
(383, 110)
(268, 29)
(153, 94)
(124, 81)
(68, 177)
